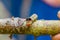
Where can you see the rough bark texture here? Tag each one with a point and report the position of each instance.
(39, 27)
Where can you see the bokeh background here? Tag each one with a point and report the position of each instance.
(45, 9)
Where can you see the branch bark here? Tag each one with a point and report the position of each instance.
(39, 27)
